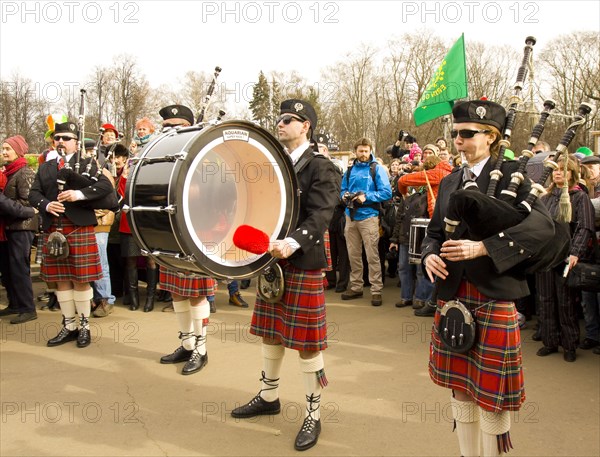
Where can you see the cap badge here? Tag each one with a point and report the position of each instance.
(298, 107)
(174, 111)
(72, 127)
(481, 112)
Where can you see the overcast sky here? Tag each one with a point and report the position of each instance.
(58, 43)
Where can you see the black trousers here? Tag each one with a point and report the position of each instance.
(18, 271)
(339, 260)
(558, 311)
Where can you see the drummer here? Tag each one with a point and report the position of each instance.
(429, 180)
(189, 291)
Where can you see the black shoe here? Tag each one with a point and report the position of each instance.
(570, 356)
(426, 311)
(84, 338)
(537, 336)
(24, 317)
(340, 289)
(588, 343)
(402, 303)
(196, 363)
(64, 336)
(244, 283)
(53, 304)
(257, 407)
(8, 311)
(308, 435)
(545, 350)
(179, 355)
(596, 350)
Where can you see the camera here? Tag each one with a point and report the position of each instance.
(392, 254)
(349, 199)
(402, 135)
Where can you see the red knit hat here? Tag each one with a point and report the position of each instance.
(18, 144)
(111, 127)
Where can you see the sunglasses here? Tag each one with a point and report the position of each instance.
(466, 133)
(63, 137)
(287, 120)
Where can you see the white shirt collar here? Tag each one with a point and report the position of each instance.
(477, 168)
(297, 153)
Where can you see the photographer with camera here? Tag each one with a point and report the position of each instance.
(408, 140)
(364, 186)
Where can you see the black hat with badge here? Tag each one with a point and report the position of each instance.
(480, 111)
(177, 112)
(590, 160)
(302, 109)
(66, 127)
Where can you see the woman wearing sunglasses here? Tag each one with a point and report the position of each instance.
(486, 379)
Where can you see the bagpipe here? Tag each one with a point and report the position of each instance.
(484, 214)
(71, 178)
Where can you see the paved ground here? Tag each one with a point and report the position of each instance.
(115, 399)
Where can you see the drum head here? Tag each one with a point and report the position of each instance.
(235, 173)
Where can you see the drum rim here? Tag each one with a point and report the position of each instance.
(203, 265)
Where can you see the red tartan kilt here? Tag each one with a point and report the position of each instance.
(491, 372)
(83, 262)
(327, 243)
(299, 319)
(188, 285)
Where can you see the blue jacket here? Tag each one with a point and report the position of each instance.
(360, 180)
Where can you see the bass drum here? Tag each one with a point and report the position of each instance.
(191, 188)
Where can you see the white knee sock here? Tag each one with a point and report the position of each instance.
(186, 327)
(272, 359)
(67, 307)
(466, 415)
(82, 300)
(495, 432)
(200, 315)
(311, 369)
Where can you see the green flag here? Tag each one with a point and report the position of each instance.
(449, 83)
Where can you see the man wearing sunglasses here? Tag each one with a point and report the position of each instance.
(74, 273)
(485, 276)
(302, 256)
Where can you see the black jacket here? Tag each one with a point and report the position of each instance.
(17, 189)
(318, 180)
(13, 209)
(496, 275)
(45, 190)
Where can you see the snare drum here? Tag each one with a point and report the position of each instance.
(192, 187)
(418, 227)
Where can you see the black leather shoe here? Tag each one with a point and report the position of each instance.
(179, 355)
(308, 435)
(588, 343)
(427, 310)
(340, 289)
(8, 311)
(84, 338)
(545, 350)
(64, 336)
(570, 356)
(257, 407)
(403, 302)
(196, 363)
(24, 317)
(537, 336)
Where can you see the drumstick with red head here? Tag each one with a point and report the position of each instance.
(251, 239)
